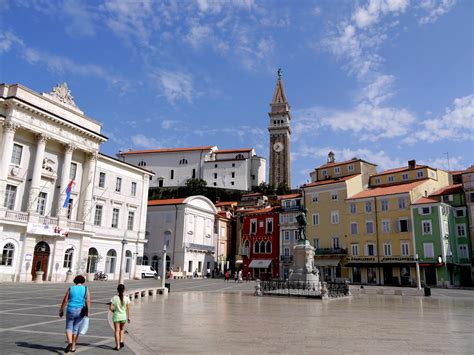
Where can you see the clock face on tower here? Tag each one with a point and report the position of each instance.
(278, 147)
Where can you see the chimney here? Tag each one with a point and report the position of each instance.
(411, 164)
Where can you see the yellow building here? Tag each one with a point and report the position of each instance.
(380, 236)
(327, 211)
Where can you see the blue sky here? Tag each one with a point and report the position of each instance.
(383, 80)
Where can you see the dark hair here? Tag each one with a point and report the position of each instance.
(121, 290)
(79, 279)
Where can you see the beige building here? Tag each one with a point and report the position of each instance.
(379, 235)
(327, 211)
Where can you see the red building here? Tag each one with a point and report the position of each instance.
(260, 243)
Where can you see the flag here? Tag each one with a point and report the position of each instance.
(68, 193)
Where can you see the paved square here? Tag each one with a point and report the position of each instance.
(212, 316)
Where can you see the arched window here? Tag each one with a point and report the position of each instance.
(262, 247)
(142, 163)
(256, 247)
(154, 262)
(7, 255)
(92, 260)
(145, 260)
(268, 248)
(128, 261)
(183, 162)
(247, 244)
(68, 255)
(110, 261)
(172, 174)
(239, 156)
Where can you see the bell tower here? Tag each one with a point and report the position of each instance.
(280, 132)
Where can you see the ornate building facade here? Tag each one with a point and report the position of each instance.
(50, 150)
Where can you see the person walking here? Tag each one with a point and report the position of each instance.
(76, 298)
(240, 276)
(236, 276)
(227, 276)
(120, 306)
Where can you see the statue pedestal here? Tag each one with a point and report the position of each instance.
(303, 265)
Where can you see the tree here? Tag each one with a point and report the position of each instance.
(283, 189)
(265, 189)
(195, 187)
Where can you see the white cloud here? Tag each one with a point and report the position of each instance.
(81, 20)
(131, 20)
(368, 119)
(457, 124)
(8, 40)
(357, 39)
(445, 163)
(199, 35)
(176, 86)
(168, 124)
(375, 9)
(434, 10)
(379, 157)
(142, 141)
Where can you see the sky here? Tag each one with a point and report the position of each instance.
(383, 80)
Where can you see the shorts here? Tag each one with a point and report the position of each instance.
(120, 321)
(73, 319)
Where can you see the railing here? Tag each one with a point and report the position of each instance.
(201, 247)
(243, 251)
(303, 288)
(49, 220)
(292, 208)
(397, 258)
(16, 216)
(330, 251)
(75, 225)
(290, 288)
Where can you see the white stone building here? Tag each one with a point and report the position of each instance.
(46, 142)
(291, 207)
(185, 226)
(233, 169)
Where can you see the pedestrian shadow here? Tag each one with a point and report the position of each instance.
(52, 349)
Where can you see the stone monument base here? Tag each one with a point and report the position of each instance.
(303, 265)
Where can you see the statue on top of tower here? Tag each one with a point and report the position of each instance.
(280, 73)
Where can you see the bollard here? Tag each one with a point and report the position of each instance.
(427, 292)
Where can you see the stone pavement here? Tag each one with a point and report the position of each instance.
(29, 322)
(212, 316)
(240, 323)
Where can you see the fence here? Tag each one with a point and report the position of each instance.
(302, 288)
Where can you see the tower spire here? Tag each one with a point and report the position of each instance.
(279, 102)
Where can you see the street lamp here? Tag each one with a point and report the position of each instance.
(418, 280)
(163, 269)
(124, 242)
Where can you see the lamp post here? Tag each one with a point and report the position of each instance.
(124, 242)
(163, 269)
(418, 280)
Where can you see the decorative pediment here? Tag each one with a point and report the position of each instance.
(62, 94)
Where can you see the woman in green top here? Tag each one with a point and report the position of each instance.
(120, 305)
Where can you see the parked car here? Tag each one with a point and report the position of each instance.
(148, 271)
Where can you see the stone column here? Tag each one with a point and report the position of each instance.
(87, 188)
(66, 168)
(37, 168)
(9, 129)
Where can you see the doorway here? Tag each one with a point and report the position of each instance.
(40, 260)
(430, 276)
(128, 264)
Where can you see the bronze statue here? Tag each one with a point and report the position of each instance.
(301, 219)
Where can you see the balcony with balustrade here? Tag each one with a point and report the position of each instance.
(330, 251)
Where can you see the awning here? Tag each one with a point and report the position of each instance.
(327, 262)
(260, 264)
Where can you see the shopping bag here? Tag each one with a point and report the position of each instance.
(84, 326)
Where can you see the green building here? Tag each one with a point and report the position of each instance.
(441, 237)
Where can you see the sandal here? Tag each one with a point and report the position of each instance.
(68, 348)
(122, 344)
